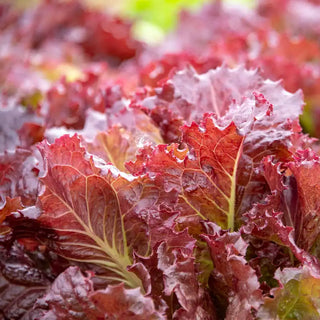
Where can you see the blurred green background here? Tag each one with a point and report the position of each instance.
(163, 13)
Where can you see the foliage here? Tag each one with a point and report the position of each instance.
(167, 182)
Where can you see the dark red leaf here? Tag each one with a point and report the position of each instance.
(86, 203)
(233, 282)
(295, 194)
(23, 279)
(68, 297)
(172, 279)
(179, 277)
(306, 171)
(204, 176)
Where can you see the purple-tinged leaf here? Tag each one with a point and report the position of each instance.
(72, 296)
(265, 223)
(306, 171)
(172, 279)
(22, 281)
(234, 284)
(68, 297)
(295, 189)
(180, 278)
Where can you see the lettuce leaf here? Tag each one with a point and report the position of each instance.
(296, 298)
(86, 204)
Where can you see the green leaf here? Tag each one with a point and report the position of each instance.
(160, 13)
(297, 298)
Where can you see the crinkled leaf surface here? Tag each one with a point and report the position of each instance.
(234, 283)
(295, 195)
(259, 109)
(205, 177)
(265, 257)
(134, 120)
(86, 206)
(189, 95)
(72, 296)
(265, 223)
(180, 277)
(66, 102)
(17, 301)
(147, 237)
(22, 281)
(306, 171)
(118, 302)
(172, 279)
(157, 71)
(68, 297)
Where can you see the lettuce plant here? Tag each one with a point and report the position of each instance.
(169, 182)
